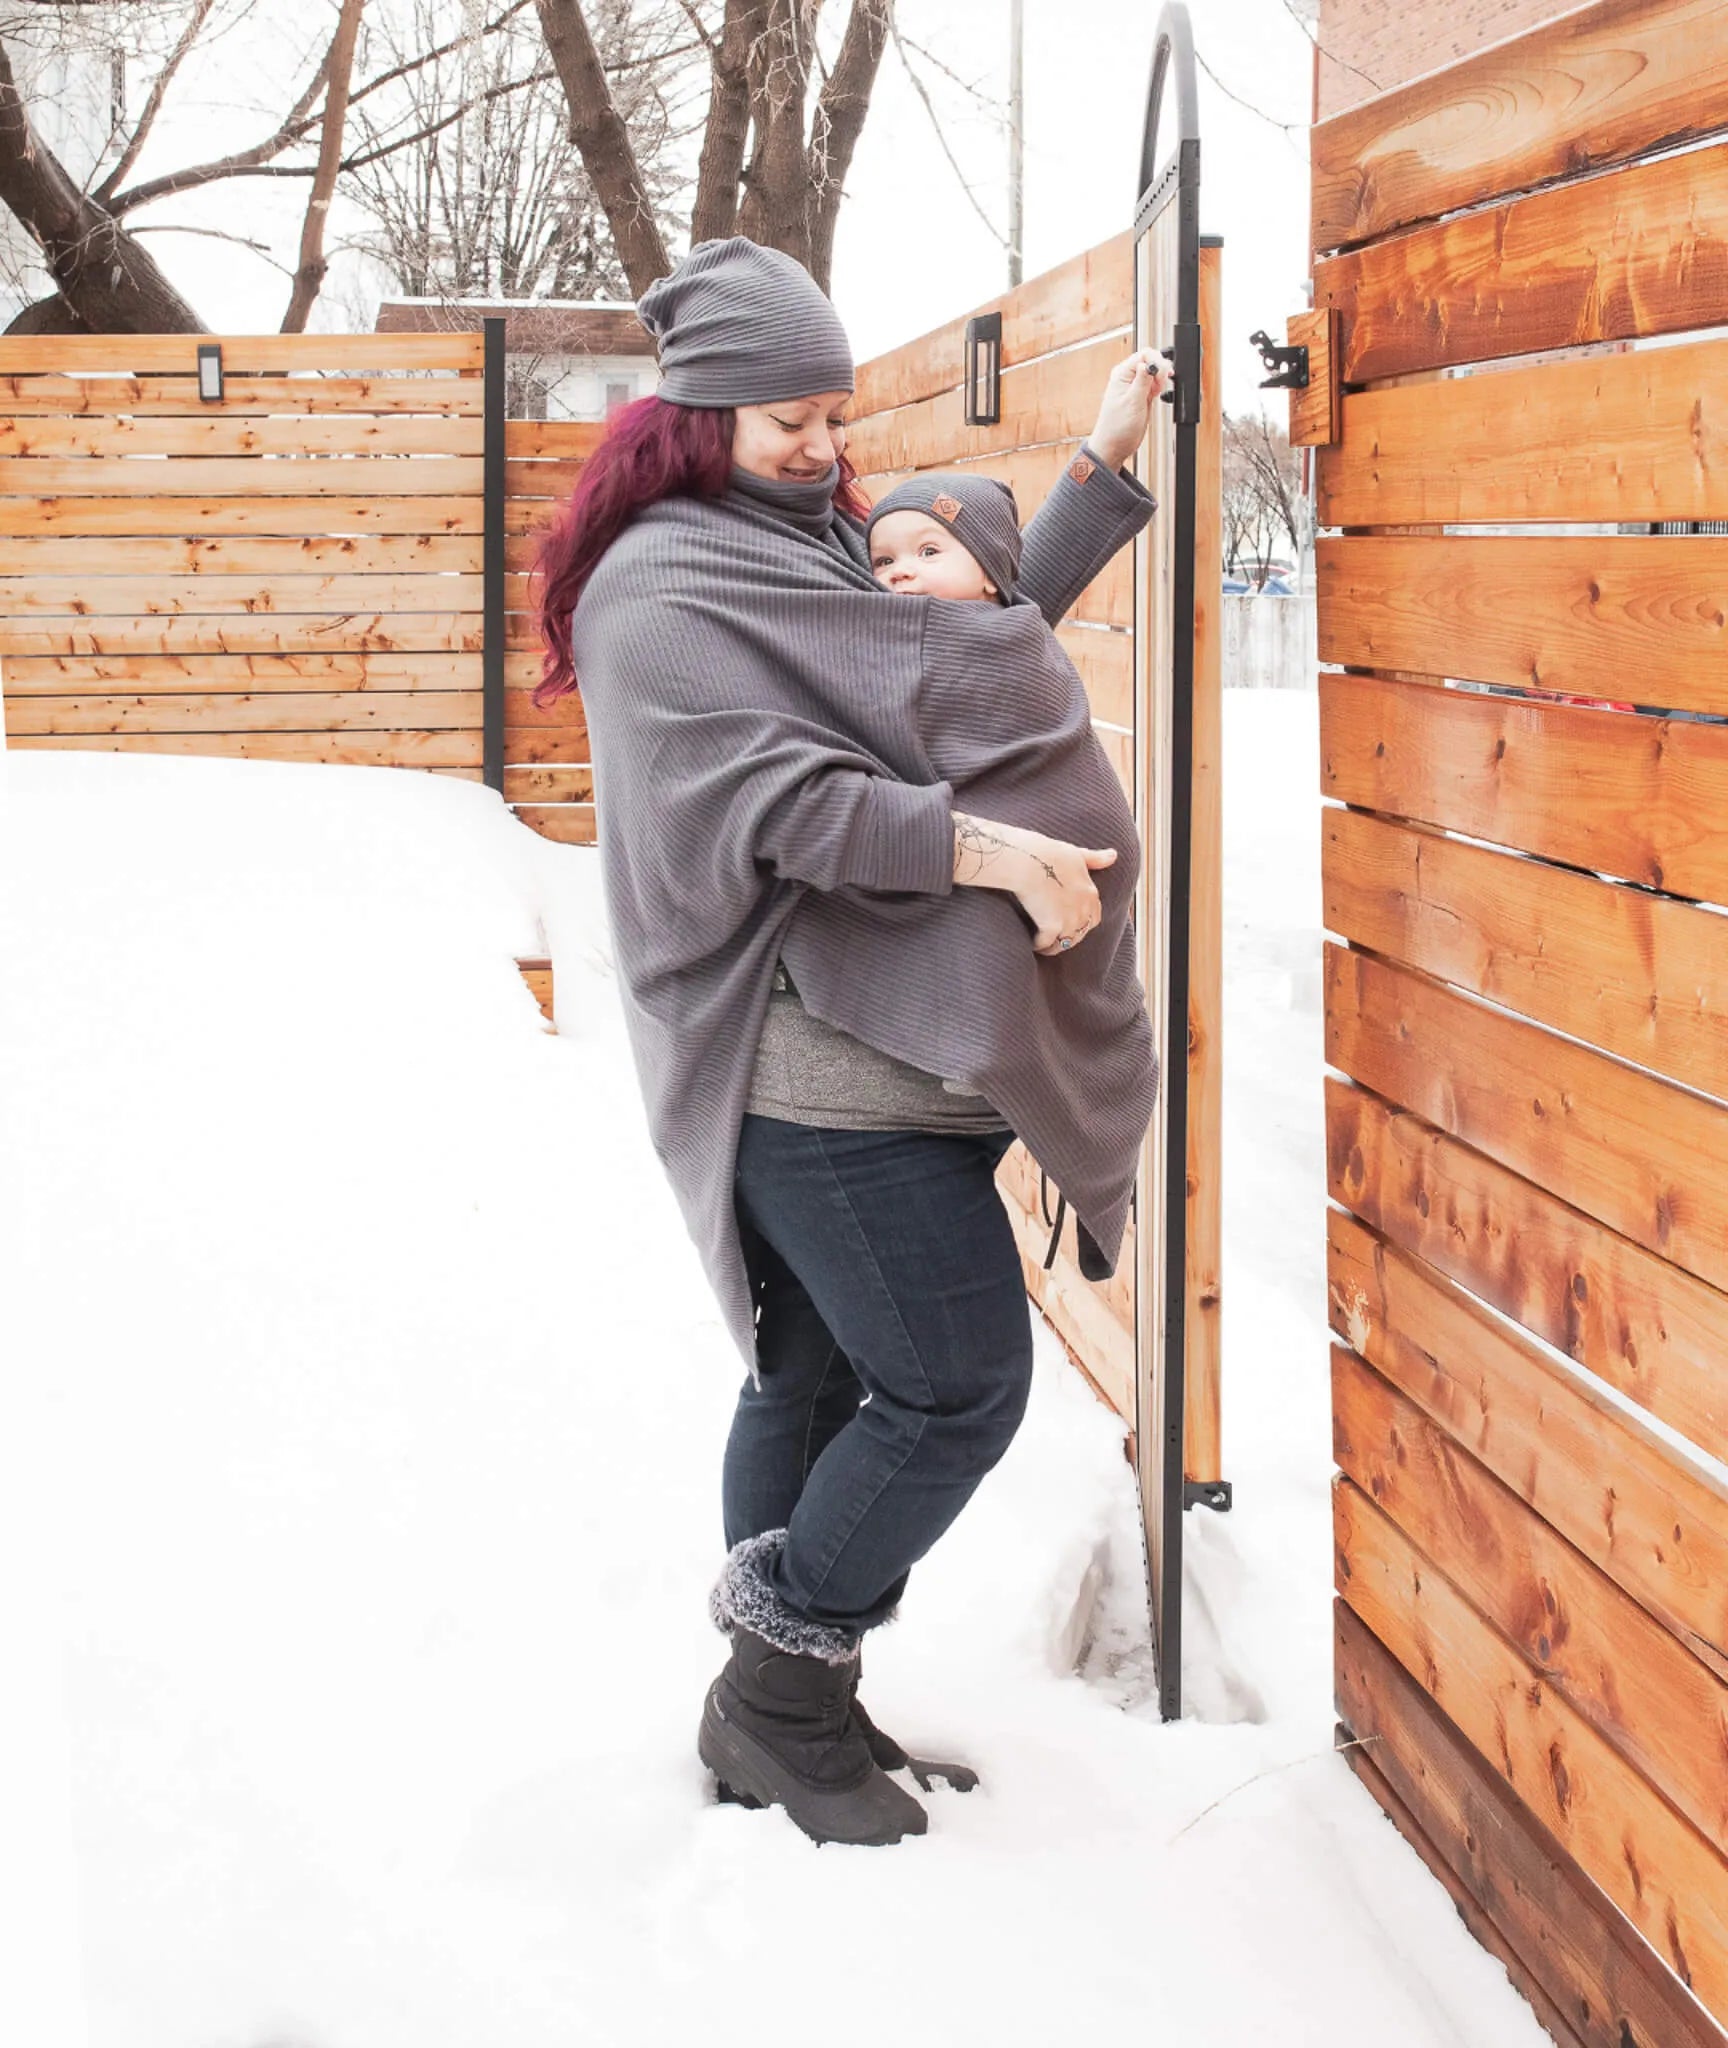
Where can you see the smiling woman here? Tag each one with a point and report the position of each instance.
(796, 441)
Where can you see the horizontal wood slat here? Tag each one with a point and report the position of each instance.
(320, 554)
(1053, 399)
(1655, 1865)
(404, 749)
(1089, 295)
(242, 354)
(1106, 665)
(1635, 1152)
(1643, 618)
(559, 440)
(1643, 798)
(279, 711)
(188, 518)
(1603, 437)
(183, 674)
(1018, 1177)
(1654, 1523)
(106, 439)
(1640, 251)
(167, 397)
(1598, 86)
(567, 824)
(243, 632)
(96, 596)
(218, 476)
(1601, 1975)
(1074, 1310)
(549, 785)
(1657, 1334)
(1640, 975)
(1637, 1685)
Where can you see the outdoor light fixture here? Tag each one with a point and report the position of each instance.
(210, 369)
(984, 370)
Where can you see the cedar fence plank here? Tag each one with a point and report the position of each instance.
(1643, 617)
(1642, 798)
(279, 711)
(562, 440)
(1635, 1152)
(51, 476)
(1076, 1311)
(568, 824)
(191, 518)
(1641, 251)
(1018, 1177)
(166, 397)
(1602, 437)
(1643, 976)
(1604, 1480)
(1638, 1687)
(404, 749)
(1053, 399)
(1090, 294)
(542, 480)
(1598, 86)
(105, 438)
(1105, 661)
(549, 785)
(1657, 1334)
(245, 633)
(1652, 1862)
(1609, 1984)
(319, 554)
(242, 354)
(93, 597)
(181, 674)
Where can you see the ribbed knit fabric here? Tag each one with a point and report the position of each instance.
(738, 324)
(766, 726)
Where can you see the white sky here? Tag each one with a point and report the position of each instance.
(912, 253)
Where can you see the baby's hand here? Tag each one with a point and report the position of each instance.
(1125, 412)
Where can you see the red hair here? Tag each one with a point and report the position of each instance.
(652, 450)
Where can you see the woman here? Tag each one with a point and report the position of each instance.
(844, 989)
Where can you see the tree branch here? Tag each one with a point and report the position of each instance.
(338, 70)
(715, 214)
(839, 121)
(153, 105)
(918, 87)
(293, 127)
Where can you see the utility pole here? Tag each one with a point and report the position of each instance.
(1016, 140)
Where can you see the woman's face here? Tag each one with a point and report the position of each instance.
(792, 441)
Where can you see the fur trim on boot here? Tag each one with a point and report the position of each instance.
(744, 1597)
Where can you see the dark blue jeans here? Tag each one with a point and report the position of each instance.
(895, 1346)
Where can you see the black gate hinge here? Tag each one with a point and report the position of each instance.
(1216, 1494)
(1289, 366)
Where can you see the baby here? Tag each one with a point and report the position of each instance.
(947, 536)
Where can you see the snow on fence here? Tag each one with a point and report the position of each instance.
(1530, 1010)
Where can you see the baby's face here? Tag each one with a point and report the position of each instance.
(916, 556)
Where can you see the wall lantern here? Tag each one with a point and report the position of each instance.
(984, 370)
(210, 369)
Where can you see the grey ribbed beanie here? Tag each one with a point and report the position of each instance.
(977, 510)
(738, 324)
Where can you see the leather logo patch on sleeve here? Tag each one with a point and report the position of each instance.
(946, 507)
(1081, 468)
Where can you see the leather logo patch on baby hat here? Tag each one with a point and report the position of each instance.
(946, 507)
(1081, 468)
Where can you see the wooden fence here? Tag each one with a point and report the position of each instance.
(1529, 1010)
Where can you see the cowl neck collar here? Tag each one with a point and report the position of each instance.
(806, 503)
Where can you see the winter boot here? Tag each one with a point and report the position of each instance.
(889, 1756)
(777, 1727)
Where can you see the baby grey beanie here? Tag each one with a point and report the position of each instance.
(738, 324)
(979, 512)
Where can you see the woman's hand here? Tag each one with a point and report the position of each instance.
(1125, 412)
(1049, 878)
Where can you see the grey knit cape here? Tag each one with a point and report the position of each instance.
(779, 745)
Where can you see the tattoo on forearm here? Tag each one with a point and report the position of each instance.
(976, 844)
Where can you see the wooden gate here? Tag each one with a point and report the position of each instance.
(1523, 739)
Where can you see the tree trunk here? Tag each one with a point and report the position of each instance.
(839, 122)
(108, 283)
(338, 73)
(777, 199)
(599, 133)
(722, 167)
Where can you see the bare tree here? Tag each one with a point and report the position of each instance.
(1262, 503)
(338, 77)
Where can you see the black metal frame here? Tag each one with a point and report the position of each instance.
(1178, 182)
(492, 559)
(984, 345)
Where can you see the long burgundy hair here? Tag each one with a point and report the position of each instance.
(652, 450)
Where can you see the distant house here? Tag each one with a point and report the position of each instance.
(568, 359)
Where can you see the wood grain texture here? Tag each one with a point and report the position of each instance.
(98, 394)
(566, 784)
(243, 633)
(1643, 1691)
(1105, 661)
(69, 675)
(94, 596)
(182, 518)
(1657, 1334)
(1640, 251)
(1642, 798)
(1635, 1152)
(280, 711)
(403, 749)
(105, 438)
(398, 476)
(1314, 415)
(1605, 1980)
(1598, 86)
(1652, 1862)
(70, 355)
(1602, 437)
(568, 824)
(1640, 975)
(1018, 1178)
(1090, 294)
(1638, 617)
(320, 554)
(559, 440)
(1600, 1477)
(1076, 1312)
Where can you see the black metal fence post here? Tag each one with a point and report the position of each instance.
(492, 560)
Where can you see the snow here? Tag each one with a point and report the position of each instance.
(363, 1410)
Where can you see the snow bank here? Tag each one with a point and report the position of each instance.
(375, 1401)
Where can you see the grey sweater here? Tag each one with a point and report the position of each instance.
(779, 746)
